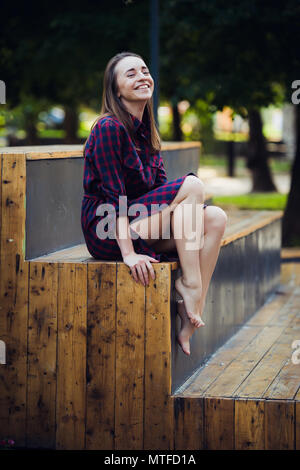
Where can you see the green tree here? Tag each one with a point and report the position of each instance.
(60, 53)
(227, 48)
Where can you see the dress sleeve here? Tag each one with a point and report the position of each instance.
(161, 176)
(108, 161)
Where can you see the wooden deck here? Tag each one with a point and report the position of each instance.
(247, 396)
(90, 353)
(240, 224)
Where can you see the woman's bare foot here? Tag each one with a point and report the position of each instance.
(187, 329)
(191, 297)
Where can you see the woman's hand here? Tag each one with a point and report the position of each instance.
(139, 265)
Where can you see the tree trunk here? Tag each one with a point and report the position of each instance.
(177, 133)
(30, 128)
(257, 160)
(291, 219)
(71, 124)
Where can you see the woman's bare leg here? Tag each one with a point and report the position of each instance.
(189, 285)
(190, 195)
(214, 226)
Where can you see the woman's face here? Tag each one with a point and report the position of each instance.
(134, 82)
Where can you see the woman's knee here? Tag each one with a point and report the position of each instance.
(192, 185)
(215, 219)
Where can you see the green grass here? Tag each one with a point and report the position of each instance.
(255, 201)
(52, 133)
(276, 165)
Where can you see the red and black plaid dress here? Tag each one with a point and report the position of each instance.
(112, 168)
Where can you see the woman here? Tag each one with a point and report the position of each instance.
(124, 173)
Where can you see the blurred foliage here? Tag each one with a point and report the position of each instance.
(253, 201)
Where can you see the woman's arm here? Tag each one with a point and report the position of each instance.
(161, 176)
(125, 242)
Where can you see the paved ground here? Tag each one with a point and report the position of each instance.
(218, 184)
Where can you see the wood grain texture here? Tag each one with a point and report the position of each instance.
(101, 359)
(279, 425)
(218, 424)
(42, 350)
(249, 425)
(71, 357)
(48, 152)
(158, 418)
(130, 352)
(13, 299)
(189, 432)
(297, 425)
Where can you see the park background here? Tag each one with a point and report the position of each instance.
(225, 75)
(71, 327)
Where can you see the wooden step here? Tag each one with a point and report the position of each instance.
(74, 326)
(248, 392)
(240, 224)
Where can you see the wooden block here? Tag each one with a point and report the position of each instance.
(130, 344)
(274, 376)
(101, 360)
(249, 425)
(158, 420)
(242, 223)
(42, 340)
(218, 424)
(231, 379)
(297, 428)
(71, 357)
(13, 299)
(188, 413)
(279, 425)
(220, 360)
(291, 252)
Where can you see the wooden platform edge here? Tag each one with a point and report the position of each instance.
(49, 152)
(209, 423)
(252, 228)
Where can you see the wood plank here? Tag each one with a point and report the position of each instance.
(262, 381)
(188, 413)
(279, 425)
(101, 344)
(130, 341)
(71, 357)
(291, 252)
(241, 367)
(233, 376)
(39, 152)
(286, 383)
(258, 220)
(249, 425)
(42, 339)
(219, 361)
(158, 419)
(13, 299)
(218, 424)
(297, 426)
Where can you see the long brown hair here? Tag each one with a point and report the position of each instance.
(113, 106)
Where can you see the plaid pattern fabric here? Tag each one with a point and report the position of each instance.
(113, 167)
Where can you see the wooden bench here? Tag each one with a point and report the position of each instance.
(91, 356)
(247, 396)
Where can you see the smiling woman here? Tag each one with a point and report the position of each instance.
(122, 158)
